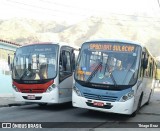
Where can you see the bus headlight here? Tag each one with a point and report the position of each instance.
(127, 96)
(50, 88)
(15, 88)
(75, 89)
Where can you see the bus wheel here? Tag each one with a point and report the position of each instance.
(134, 114)
(42, 104)
(147, 103)
(138, 108)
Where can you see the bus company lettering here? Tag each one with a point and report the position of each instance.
(109, 47)
(123, 48)
(101, 46)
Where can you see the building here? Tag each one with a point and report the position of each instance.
(6, 48)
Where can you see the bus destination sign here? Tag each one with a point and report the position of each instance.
(113, 47)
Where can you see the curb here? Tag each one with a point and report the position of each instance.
(4, 106)
(17, 104)
(13, 104)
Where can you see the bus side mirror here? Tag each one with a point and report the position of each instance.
(10, 64)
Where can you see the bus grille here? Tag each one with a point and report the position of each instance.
(100, 97)
(32, 90)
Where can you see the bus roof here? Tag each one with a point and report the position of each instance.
(115, 40)
(57, 43)
(44, 43)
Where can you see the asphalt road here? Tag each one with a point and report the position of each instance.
(90, 119)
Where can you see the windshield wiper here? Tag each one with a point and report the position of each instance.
(110, 73)
(94, 72)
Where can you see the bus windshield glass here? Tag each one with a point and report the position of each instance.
(108, 63)
(35, 62)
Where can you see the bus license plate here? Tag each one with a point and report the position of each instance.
(31, 97)
(100, 104)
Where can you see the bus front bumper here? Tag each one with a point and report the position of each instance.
(47, 97)
(110, 107)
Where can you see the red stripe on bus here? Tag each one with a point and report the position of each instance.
(33, 88)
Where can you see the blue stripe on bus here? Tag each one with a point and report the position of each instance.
(99, 94)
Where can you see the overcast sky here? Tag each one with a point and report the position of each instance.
(75, 10)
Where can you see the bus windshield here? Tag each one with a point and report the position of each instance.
(35, 62)
(108, 63)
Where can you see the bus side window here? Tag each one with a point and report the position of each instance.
(141, 73)
(64, 61)
(65, 65)
(73, 62)
(145, 65)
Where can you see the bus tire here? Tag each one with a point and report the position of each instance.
(42, 104)
(147, 103)
(138, 107)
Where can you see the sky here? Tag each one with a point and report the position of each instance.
(73, 11)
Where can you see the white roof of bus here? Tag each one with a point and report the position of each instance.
(58, 43)
(115, 40)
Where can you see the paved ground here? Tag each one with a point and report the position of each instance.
(8, 100)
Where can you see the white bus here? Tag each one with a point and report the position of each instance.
(113, 76)
(43, 73)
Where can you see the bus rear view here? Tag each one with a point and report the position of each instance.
(106, 77)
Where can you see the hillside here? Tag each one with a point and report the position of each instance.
(144, 30)
(24, 31)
